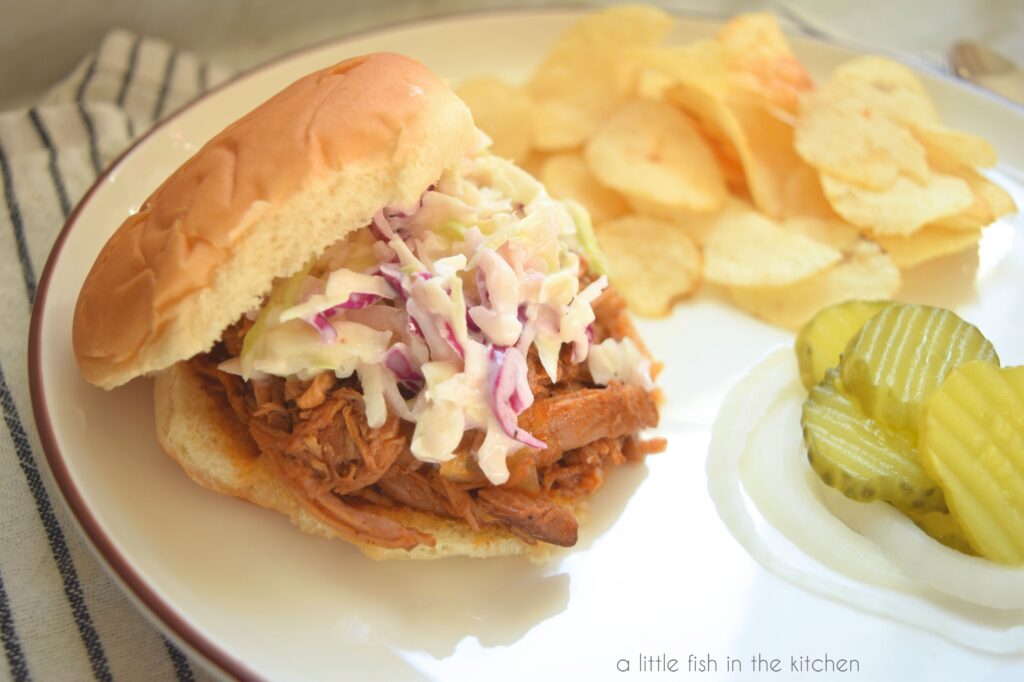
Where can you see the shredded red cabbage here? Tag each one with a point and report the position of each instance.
(470, 324)
(328, 334)
(392, 273)
(510, 393)
(399, 361)
(448, 334)
(355, 301)
(322, 324)
(481, 288)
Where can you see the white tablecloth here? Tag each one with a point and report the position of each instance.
(61, 616)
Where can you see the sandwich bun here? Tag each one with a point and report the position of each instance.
(274, 189)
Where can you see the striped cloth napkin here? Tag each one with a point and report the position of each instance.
(61, 616)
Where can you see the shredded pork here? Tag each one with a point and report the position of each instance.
(316, 439)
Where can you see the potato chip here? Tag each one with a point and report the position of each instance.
(853, 142)
(866, 273)
(651, 151)
(724, 145)
(902, 208)
(748, 249)
(998, 200)
(567, 176)
(760, 61)
(502, 111)
(699, 66)
(652, 262)
(831, 231)
(575, 87)
(966, 148)
(567, 122)
(991, 202)
(886, 87)
(696, 224)
(802, 194)
(717, 125)
(754, 148)
(765, 145)
(926, 244)
(534, 162)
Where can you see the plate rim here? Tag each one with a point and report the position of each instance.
(171, 621)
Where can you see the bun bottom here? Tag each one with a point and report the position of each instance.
(200, 432)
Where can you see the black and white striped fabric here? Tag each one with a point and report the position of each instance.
(61, 616)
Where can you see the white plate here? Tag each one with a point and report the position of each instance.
(655, 571)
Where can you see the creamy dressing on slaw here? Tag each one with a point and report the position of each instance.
(436, 306)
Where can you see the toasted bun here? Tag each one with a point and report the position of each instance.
(199, 431)
(274, 189)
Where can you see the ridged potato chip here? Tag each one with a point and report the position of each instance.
(748, 249)
(903, 207)
(972, 443)
(576, 87)
(802, 194)
(693, 78)
(718, 125)
(831, 231)
(567, 176)
(866, 272)
(653, 263)
(652, 151)
(727, 144)
(926, 244)
(567, 121)
(746, 134)
(503, 111)
(696, 224)
(760, 61)
(990, 203)
(849, 140)
(765, 145)
(895, 91)
(966, 148)
(697, 66)
(886, 87)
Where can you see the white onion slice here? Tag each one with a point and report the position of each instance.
(782, 486)
(973, 579)
(748, 406)
(745, 407)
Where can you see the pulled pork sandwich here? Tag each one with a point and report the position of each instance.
(359, 318)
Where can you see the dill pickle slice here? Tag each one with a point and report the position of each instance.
(972, 443)
(858, 457)
(944, 528)
(823, 339)
(900, 357)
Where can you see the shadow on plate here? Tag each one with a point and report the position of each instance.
(948, 281)
(432, 606)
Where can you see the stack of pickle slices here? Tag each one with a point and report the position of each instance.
(909, 406)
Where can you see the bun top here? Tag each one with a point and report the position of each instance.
(273, 190)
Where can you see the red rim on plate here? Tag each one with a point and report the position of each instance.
(173, 622)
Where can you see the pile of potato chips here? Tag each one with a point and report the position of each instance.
(721, 161)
